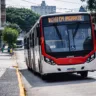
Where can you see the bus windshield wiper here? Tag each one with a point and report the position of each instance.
(76, 29)
(73, 34)
(58, 32)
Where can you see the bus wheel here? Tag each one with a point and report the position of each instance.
(44, 77)
(27, 65)
(84, 74)
(29, 69)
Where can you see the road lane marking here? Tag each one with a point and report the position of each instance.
(21, 86)
(2, 71)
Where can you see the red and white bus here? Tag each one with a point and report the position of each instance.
(60, 43)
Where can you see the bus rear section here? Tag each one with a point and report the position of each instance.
(20, 43)
(67, 44)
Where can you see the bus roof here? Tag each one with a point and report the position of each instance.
(57, 14)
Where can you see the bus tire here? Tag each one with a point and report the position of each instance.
(40, 68)
(28, 67)
(44, 77)
(27, 64)
(84, 74)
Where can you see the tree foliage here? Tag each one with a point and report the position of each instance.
(9, 35)
(25, 18)
(91, 4)
(14, 26)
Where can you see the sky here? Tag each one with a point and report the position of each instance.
(61, 5)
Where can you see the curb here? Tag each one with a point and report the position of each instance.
(21, 86)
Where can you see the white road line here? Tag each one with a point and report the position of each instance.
(2, 71)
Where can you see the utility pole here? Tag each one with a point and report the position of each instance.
(0, 14)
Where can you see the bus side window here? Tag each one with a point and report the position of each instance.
(31, 43)
(32, 40)
(27, 43)
(35, 37)
(38, 34)
(24, 43)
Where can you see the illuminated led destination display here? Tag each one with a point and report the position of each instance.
(65, 19)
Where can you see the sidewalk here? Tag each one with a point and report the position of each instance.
(8, 77)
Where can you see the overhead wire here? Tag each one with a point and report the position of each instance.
(56, 7)
(15, 5)
(30, 2)
(67, 1)
(59, 8)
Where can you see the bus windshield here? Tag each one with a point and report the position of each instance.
(68, 37)
(19, 42)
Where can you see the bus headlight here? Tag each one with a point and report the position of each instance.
(91, 58)
(49, 61)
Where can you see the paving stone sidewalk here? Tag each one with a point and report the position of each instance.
(8, 77)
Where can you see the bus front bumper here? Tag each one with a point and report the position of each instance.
(47, 68)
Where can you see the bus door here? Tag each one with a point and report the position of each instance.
(25, 49)
(32, 49)
(36, 50)
(33, 40)
(39, 49)
(27, 53)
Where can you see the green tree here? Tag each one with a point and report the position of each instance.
(91, 4)
(14, 26)
(9, 36)
(25, 18)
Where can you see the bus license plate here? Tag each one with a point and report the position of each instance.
(71, 69)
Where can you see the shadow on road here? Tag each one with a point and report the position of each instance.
(54, 79)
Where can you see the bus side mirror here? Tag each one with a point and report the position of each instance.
(94, 29)
(95, 33)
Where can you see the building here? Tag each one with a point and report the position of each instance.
(43, 9)
(2, 17)
(82, 9)
(0, 14)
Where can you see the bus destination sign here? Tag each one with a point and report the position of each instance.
(65, 19)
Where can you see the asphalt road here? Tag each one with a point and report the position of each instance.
(58, 84)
